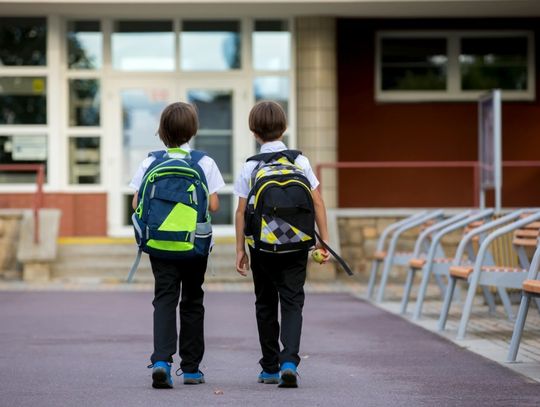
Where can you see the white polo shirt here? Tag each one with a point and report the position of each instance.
(241, 186)
(214, 178)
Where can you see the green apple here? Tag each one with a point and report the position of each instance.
(317, 255)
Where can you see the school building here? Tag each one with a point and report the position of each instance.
(82, 85)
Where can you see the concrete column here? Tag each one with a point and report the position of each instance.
(317, 96)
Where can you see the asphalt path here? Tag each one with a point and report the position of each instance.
(92, 349)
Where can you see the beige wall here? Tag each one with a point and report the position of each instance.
(316, 96)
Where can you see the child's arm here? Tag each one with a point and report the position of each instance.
(242, 260)
(135, 200)
(320, 220)
(213, 204)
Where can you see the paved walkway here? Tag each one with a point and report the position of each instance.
(487, 335)
(91, 349)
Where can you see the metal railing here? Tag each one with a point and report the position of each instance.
(474, 165)
(39, 169)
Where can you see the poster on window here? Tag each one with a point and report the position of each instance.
(489, 140)
(29, 148)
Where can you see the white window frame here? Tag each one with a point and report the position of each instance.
(245, 76)
(453, 93)
(56, 71)
(50, 128)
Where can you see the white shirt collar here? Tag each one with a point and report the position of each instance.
(273, 146)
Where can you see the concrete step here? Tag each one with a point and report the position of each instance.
(111, 260)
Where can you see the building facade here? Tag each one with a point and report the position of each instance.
(82, 85)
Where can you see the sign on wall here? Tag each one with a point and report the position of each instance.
(489, 145)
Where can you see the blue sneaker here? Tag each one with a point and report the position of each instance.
(268, 378)
(193, 378)
(161, 375)
(289, 376)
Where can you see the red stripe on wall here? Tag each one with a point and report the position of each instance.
(82, 214)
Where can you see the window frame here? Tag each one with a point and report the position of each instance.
(58, 74)
(453, 92)
(52, 98)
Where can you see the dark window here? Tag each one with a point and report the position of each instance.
(84, 102)
(23, 41)
(413, 64)
(23, 100)
(499, 62)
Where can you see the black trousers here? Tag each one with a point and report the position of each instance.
(279, 278)
(170, 276)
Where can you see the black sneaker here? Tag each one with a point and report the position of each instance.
(161, 375)
(289, 376)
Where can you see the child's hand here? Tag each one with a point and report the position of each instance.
(242, 263)
(325, 253)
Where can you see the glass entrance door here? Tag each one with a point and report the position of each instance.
(223, 108)
(223, 133)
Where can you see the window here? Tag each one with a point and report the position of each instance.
(84, 160)
(215, 109)
(271, 45)
(85, 47)
(143, 46)
(22, 149)
(141, 110)
(439, 66)
(84, 102)
(23, 41)
(210, 45)
(23, 100)
(414, 64)
(224, 216)
(489, 63)
(274, 88)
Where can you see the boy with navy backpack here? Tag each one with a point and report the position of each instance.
(278, 206)
(176, 189)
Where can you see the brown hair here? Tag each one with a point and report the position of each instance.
(178, 124)
(267, 120)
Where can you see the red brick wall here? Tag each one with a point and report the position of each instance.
(371, 131)
(82, 214)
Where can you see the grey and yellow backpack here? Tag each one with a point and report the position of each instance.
(172, 218)
(280, 216)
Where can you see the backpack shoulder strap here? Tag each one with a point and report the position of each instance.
(157, 154)
(196, 156)
(291, 155)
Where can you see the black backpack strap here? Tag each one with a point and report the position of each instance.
(291, 155)
(336, 256)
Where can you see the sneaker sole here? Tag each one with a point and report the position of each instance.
(288, 379)
(268, 381)
(159, 380)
